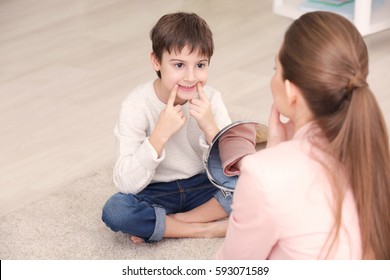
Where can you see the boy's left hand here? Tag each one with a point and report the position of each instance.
(200, 109)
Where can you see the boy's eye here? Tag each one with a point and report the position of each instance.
(179, 65)
(201, 65)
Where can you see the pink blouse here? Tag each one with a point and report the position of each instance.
(282, 208)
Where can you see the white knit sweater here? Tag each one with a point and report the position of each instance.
(137, 164)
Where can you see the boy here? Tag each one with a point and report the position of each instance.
(163, 133)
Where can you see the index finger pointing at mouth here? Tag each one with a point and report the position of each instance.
(172, 96)
(202, 95)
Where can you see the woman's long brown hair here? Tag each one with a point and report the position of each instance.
(326, 57)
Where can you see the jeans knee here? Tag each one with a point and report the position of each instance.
(111, 213)
(129, 214)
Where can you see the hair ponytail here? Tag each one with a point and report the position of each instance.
(362, 146)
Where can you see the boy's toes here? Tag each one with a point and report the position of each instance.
(136, 239)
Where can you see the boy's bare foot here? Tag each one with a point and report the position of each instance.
(209, 212)
(136, 239)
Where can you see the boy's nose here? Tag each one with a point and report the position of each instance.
(190, 76)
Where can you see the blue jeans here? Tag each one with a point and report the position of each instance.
(143, 214)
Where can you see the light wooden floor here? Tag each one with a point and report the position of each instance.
(66, 65)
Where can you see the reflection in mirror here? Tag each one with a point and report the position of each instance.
(230, 145)
(261, 136)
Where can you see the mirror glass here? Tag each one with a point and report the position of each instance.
(234, 139)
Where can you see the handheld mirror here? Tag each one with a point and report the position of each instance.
(246, 133)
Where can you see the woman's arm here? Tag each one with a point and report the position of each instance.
(251, 232)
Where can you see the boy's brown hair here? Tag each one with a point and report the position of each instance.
(175, 31)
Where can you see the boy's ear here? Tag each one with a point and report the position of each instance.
(155, 62)
(291, 91)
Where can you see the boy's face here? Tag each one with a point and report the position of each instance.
(182, 68)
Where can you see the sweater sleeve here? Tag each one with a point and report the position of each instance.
(252, 231)
(136, 158)
(220, 114)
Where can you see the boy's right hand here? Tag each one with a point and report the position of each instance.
(170, 120)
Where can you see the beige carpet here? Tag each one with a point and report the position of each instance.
(67, 225)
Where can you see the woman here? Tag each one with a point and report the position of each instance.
(321, 189)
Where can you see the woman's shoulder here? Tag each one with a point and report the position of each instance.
(283, 154)
(287, 164)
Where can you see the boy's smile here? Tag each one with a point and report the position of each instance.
(187, 88)
(187, 92)
(184, 68)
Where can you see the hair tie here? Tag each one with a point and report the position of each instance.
(356, 81)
